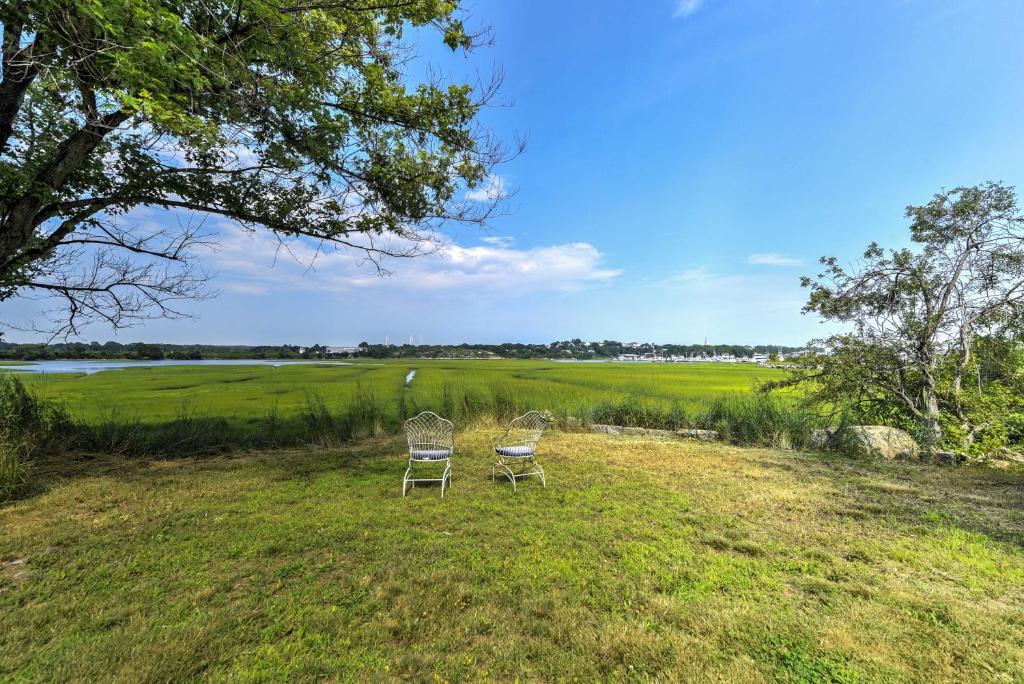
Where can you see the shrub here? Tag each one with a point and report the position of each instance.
(760, 420)
(319, 421)
(15, 469)
(24, 420)
(23, 416)
(754, 420)
(634, 412)
(365, 415)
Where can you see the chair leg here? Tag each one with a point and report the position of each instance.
(506, 471)
(534, 468)
(446, 476)
(405, 479)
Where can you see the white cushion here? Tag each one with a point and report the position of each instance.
(515, 451)
(431, 454)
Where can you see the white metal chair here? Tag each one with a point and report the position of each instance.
(517, 448)
(431, 440)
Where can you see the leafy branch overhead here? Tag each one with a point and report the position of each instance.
(296, 117)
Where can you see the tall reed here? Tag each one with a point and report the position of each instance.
(45, 427)
(755, 419)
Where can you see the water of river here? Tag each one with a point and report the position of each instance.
(90, 367)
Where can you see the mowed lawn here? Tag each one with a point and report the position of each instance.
(642, 559)
(159, 394)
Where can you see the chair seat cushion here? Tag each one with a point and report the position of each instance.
(430, 454)
(514, 451)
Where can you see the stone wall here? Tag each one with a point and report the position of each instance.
(703, 435)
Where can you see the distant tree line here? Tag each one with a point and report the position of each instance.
(564, 349)
(142, 351)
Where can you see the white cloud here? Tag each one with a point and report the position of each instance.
(249, 288)
(250, 262)
(498, 240)
(685, 8)
(492, 189)
(773, 259)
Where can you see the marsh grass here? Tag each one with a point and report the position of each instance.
(370, 410)
(752, 420)
(761, 420)
(643, 559)
(243, 393)
(26, 424)
(15, 468)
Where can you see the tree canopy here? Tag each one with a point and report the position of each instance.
(917, 316)
(295, 116)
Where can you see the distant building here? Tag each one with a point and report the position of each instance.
(340, 351)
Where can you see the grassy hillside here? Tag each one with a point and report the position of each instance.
(642, 559)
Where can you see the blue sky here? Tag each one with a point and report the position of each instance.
(688, 160)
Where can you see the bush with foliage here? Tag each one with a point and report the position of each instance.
(933, 332)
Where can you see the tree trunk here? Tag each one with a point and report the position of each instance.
(931, 434)
(19, 70)
(18, 223)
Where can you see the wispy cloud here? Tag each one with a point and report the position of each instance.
(249, 263)
(692, 275)
(492, 189)
(773, 259)
(685, 8)
(498, 240)
(244, 287)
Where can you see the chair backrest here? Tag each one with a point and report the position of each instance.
(526, 430)
(429, 431)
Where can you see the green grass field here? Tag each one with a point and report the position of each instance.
(643, 559)
(158, 394)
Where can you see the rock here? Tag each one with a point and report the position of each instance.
(887, 442)
(877, 441)
(948, 457)
(605, 429)
(1009, 455)
(703, 435)
(647, 432)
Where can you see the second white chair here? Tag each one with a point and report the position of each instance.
(517, 448)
